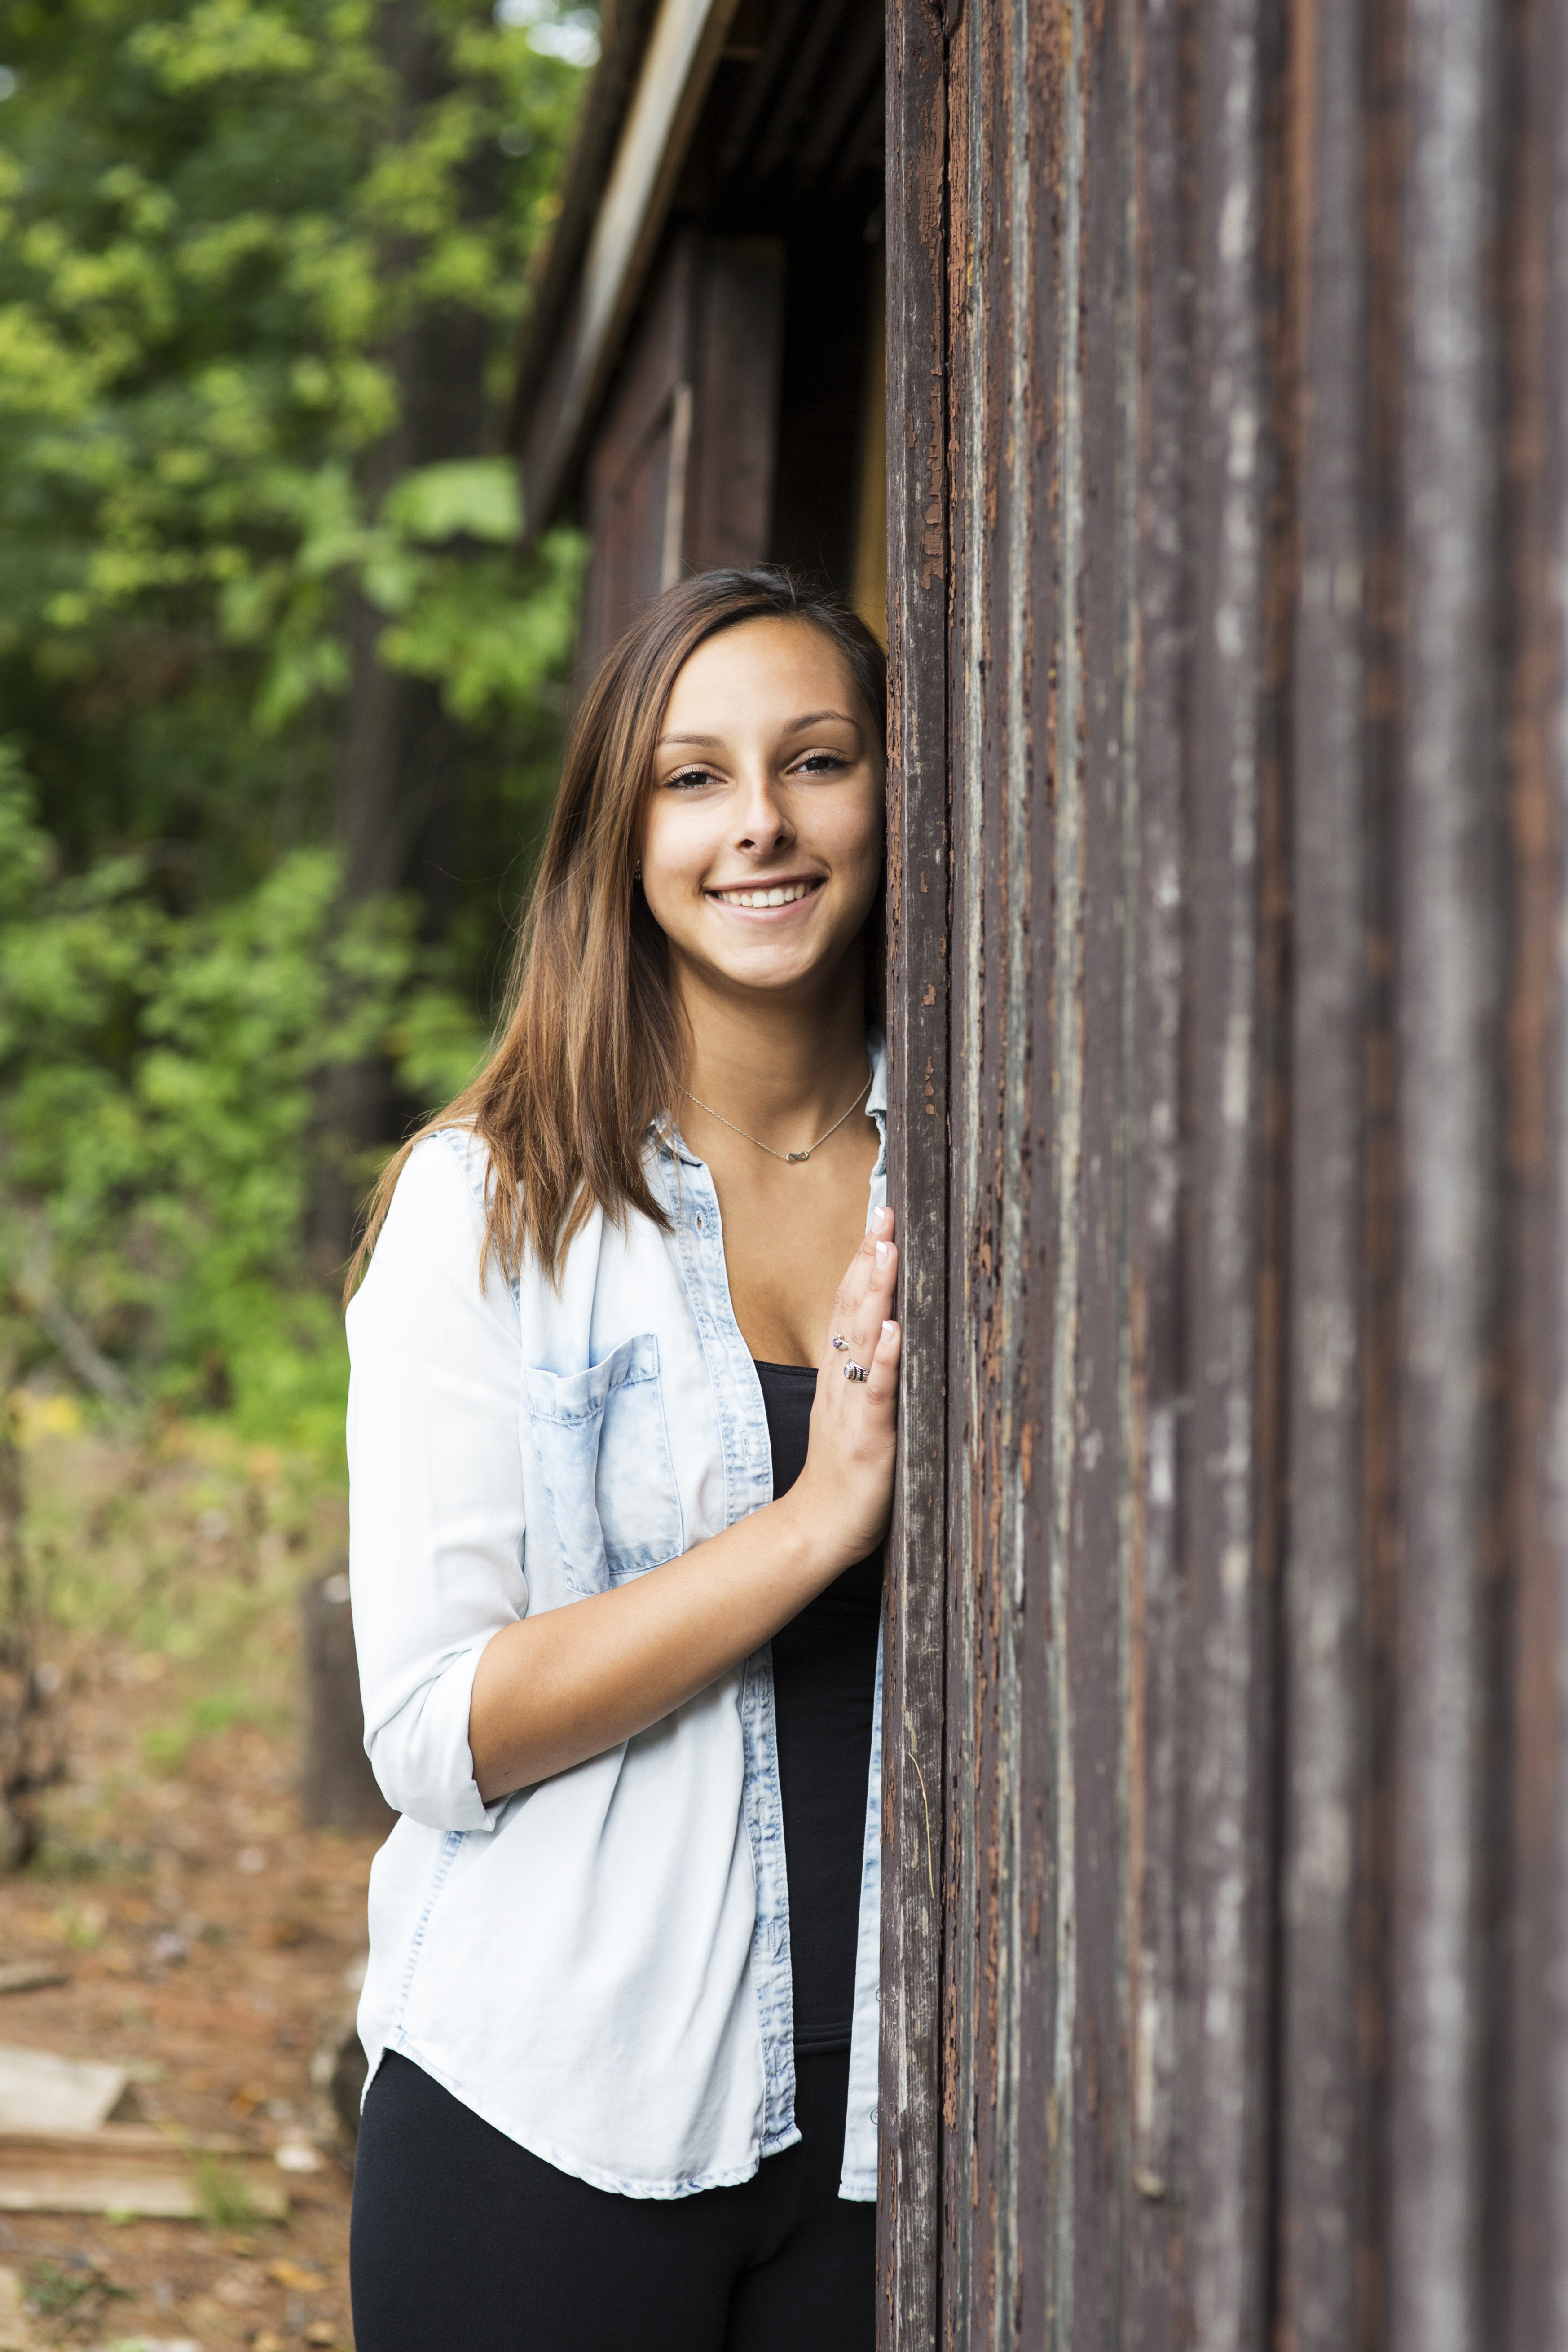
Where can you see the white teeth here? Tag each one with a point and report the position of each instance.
(785, 897)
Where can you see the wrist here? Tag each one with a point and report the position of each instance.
(817, 1547)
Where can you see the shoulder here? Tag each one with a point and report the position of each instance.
(443, 1186)
(432, 1246)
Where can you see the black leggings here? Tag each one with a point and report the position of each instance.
(465, 2243)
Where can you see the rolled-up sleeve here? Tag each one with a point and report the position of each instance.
(435, 1543)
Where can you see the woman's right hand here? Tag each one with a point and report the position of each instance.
(552, 1689)
(844, 1495)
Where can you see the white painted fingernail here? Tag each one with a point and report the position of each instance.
(881, 1253)
(878, 1219)
(889, 1330)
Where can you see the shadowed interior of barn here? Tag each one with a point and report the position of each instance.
(701, 380)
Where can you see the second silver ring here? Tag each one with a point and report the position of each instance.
(856, 1372)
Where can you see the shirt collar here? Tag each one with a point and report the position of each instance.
(876, 1100)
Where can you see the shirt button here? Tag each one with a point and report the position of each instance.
(872, 2115)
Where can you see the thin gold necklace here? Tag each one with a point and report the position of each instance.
(768, 1147)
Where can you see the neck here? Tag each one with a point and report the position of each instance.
(776, 1065)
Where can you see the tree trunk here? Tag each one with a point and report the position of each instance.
(400, 771)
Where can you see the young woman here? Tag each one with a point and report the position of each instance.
(621, 1439)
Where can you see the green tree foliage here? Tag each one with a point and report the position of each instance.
(221, 222)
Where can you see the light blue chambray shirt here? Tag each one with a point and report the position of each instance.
(600, 1965)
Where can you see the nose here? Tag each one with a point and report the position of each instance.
(763, 823)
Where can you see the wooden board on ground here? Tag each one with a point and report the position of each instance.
(31, 1976)
(42, 2092)
(133, 2168)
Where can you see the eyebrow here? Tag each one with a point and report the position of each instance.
(795, 727)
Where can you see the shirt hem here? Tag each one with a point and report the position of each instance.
(656, 2191)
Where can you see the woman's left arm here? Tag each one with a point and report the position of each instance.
(436, 1511)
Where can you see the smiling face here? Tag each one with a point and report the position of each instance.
(762, 842)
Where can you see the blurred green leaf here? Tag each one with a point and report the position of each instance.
(478, 496)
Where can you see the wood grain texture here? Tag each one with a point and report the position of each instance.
(1533, 2260)
(1250, 492)
(918, 893)
(1226, 1863)
(1450, 1063)
(1163, 50)
(1325, 2142)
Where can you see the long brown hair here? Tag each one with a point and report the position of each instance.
(590, 1052)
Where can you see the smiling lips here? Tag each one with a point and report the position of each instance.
(780, 894)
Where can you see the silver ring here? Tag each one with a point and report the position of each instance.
(856, 1372)
(839, 1341)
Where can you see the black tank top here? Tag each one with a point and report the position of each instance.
(825, 1668)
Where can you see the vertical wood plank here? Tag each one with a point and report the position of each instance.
(919, 912)
(1037, 709)
(1228, 1862)
(1158, 1698)
(1095, 470)
(736, 361)
(1536, 506)
(962, 2083)
(1324, 2140)
(1449, 1062)
(1026, 820)
(979, 981)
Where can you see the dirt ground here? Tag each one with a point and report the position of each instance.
(205, 1935)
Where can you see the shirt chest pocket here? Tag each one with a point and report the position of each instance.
(602, 1450)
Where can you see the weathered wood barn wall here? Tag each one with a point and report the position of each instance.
(1225, 1956)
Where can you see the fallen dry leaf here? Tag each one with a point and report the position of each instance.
(294, 2276)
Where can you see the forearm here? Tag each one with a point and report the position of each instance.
(553, 1690)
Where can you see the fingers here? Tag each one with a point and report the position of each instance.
(860, 1322)
(866, 1328)
(853, 1290)
(881, 1283)
(882, 1388)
